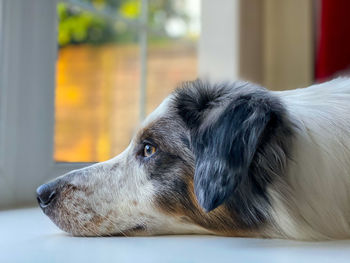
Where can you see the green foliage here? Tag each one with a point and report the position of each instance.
(100, 4)
(78, 26)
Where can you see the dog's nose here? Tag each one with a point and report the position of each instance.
(45, 194)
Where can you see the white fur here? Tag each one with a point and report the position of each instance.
(318, 180)
(158, 112)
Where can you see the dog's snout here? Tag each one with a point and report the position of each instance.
(45, 194)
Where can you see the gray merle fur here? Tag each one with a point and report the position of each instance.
(240, 137)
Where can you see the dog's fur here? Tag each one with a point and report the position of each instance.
(231, 159)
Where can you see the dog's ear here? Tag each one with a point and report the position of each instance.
(225, 134)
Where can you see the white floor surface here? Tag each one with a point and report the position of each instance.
(27, 235)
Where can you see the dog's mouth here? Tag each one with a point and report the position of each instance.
(137, 228)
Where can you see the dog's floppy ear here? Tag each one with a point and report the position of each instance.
(226, 131)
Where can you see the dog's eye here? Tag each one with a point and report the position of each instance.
(149, 150)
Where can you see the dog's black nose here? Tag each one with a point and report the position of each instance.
(45, 194)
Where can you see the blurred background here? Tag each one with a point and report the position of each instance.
(99, 70)
(78, 76)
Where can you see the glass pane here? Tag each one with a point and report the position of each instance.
(98, 71)
(98, 61)
(172, 52)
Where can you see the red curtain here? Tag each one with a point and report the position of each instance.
(333, 54)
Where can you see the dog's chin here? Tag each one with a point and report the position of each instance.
(66, 222)
(53, 214)
(71, 227)
(85, 228)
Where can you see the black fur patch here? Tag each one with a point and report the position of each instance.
(240, 138)
(196, 97)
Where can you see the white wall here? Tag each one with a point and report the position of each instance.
(218, 44)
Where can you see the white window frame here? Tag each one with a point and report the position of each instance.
(28, 50)
(270, 42)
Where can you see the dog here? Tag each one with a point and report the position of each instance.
(229, 159)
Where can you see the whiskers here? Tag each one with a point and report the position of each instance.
(140, 225)
(114, 223)
(81, 219)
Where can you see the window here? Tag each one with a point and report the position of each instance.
(32, 67)
(112, 70)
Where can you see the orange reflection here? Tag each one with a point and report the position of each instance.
(97, 95)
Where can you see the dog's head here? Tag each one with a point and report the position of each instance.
(201, 163)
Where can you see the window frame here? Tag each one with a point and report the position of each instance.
(27, 70)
